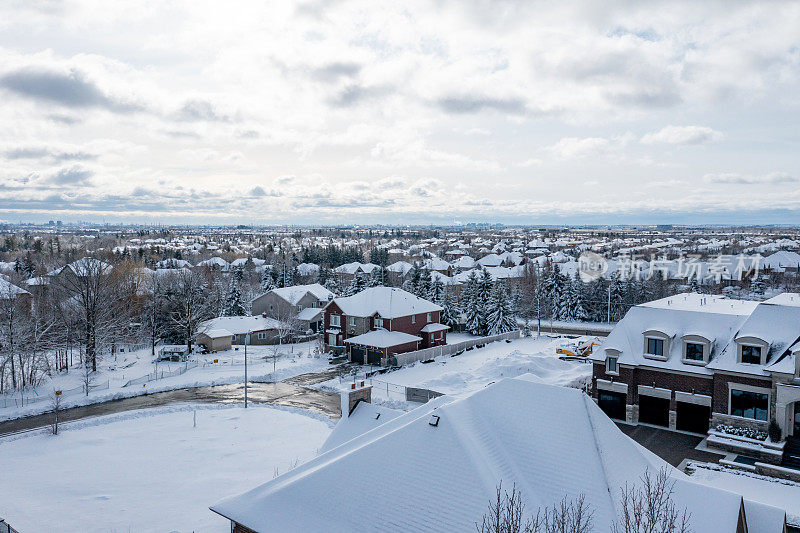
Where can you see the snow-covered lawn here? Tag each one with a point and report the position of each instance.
(778, 492)
(149, 470)
(474, 369)
(294, 359)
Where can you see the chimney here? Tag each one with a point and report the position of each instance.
(357, 392)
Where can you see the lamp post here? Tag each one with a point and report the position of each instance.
(246, 341)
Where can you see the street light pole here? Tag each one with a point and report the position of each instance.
(246, 340)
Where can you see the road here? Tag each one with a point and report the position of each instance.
(292, 392)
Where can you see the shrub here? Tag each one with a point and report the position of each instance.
(774, 431)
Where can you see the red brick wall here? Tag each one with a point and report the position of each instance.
(720, 401)
(402, 348)
(665, 380)
(404, 324)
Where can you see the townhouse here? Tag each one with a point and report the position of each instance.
(692, 361)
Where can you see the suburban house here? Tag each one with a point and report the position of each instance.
(11, 293)
(220, 333)
(302, 303)
(437, 467)
(348, 271)
(380, 321)
(694, 361)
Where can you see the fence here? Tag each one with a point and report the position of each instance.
(19, 401)
(425, 354)
(153, 376)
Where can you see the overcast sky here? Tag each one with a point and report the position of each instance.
(400, 112)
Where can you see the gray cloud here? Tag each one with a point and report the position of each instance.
(334, 71)
(475, 104)
(69, 90)
(259, 191)
(355, 94)
(74, 175)
(739, 179)
(200, 110)
(43, 152)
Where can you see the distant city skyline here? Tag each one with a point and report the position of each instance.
(320, 113)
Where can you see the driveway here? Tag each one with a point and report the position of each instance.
(671, 446)
(291, 393)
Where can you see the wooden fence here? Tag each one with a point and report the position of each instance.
(425, 354)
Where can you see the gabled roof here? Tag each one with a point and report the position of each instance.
(9, 290)
(438, 474)
(238, 325)
(388, 302)
(365, 417)
(295, 293)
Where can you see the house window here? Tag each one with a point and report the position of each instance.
(694, 351)
(379, 322)
(336, 321)
(413, 319)
(428, 318)
(262, 335)
(748, 404)
(751, 354)
(352, 321)
(611, 365)
(655, 347)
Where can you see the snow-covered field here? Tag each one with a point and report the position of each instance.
(772, 491)
(149, 470)
(476, 368)
(294, 359)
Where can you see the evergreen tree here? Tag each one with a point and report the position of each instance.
(475, 312)
(332, 284)
(358, 284)
(577, 300)
(424, 285)
(267, 283)
(233, 301)
(450, 313)
(412, 283)
(500, 317)
(436, 290)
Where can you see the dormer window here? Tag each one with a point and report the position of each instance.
(694, 351)
(751, 350)
(378, 322)
(655, 347)
(611, 365)
(751, 354)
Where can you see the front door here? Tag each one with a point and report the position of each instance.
(796, 431)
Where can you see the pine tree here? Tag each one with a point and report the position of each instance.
(412, 283)
(332, 284)
(424, 284)
(358, 284)
(500, 316)
(450, 313)
(472, 305)
(267, 283)
(578, 296)
(233, 301)
(435, 291)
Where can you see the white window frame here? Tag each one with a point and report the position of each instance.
(336, 321)
(615, 358)
(262, 335)
(696, 339)
(428, 317)
(755, 342)
(413, 319)
(750, 388)
(352, 321)
(378, 322)
(660, 336)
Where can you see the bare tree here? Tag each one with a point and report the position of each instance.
(55, 404)
(649, 508)
(186, 299)
(507, 515)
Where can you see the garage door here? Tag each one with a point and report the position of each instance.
(374, 356)
(612, 403)
(357, 355)
(691, 417)
(654, 410)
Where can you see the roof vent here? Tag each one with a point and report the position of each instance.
(434, 421)
(377, 416)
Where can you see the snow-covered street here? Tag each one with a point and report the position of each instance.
(150, 470)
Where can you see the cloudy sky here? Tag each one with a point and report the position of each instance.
(400, 112)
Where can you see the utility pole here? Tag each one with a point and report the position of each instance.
(246, 340)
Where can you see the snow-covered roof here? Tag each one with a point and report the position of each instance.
(388, 302)
(490, 260)
(9, 290)
(216, 333)
(433, 326)
(381, 338)
(365, 417)
(310, 314)
(307, 269)
(293, 294)
(238, 325)
(352, 268)
(439, 466)
(780, 260)
(400, 266)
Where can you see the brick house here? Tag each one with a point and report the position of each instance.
(301, 303)
(693, 361)
(351, 322)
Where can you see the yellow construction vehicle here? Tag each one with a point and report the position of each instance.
(581, 349)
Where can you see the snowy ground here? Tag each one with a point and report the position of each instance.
(295, 359)
(149, 470)
(769, 490)
(476, 368)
